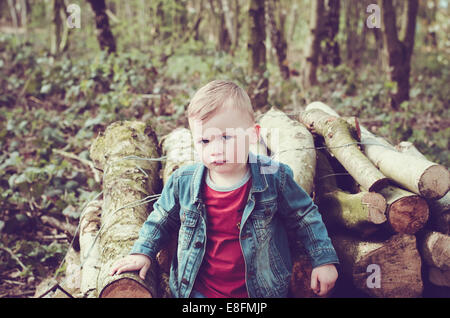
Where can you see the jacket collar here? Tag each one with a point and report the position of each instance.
(259, 182)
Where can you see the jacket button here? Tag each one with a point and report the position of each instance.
(198, 244)
(185, 281)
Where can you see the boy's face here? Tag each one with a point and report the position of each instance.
(222, 141)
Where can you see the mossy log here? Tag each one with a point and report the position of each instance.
(385, 269)
(360, 212)
(89, 247)
(290, 143)
(337, 134)
(126, 179)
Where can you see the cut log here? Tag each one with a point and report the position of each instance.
(126, 181)
(89, 248)
(291, 143)
(415, 173)
(359, 212)
(435, 250)
(406, 212)
(412, 172)
(439, 277)
(340, 142)
(382, 269)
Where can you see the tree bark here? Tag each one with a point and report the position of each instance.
(127, 181)
(259, 87)
(104, 34)
(290, 143)
(313, 48)
(331, 29)
(399, 52)
(398, 261)
(89, 248)
(337, 136)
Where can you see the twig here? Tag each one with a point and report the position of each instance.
(14, 257)
(84, 161)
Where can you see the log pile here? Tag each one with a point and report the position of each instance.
(386, 208)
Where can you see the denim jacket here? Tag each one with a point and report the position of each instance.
(276, 204)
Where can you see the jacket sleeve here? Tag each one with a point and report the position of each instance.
(302, 217)
(162, 221)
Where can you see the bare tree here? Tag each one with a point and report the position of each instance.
(258, 90)
(104, 35)
(399, 51)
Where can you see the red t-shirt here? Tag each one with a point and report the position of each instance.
(222, 273)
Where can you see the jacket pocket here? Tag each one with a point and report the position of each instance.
(188, 220)
(262, 219)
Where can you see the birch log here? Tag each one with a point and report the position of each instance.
(412, 172)
(382, 269)
(360, 212)
(127, 178)
(415, 173)
(291, 143)
(337, 136)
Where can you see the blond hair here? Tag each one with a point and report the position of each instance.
(217, 94)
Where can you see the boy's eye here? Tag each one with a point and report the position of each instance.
(203, 141)
(226, 137)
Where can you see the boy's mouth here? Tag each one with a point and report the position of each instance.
(218, 162)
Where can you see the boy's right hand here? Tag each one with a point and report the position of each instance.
(133, 262)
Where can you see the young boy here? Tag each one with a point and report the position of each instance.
(233, 211)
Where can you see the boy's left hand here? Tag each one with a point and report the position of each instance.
(323, 279)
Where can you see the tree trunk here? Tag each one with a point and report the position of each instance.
(399, 52)
(290, 143)
(104, 35)
(313, 48)
(259, 87)
(57, 26)
(360, 212)
(337, 135)
(278, 39)
(416, 174)
(382, 269)
(128, 184)
(331, 54)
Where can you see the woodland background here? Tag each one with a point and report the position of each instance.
(60, 86)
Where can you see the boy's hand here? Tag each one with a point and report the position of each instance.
(323, 279)
(134, 262)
